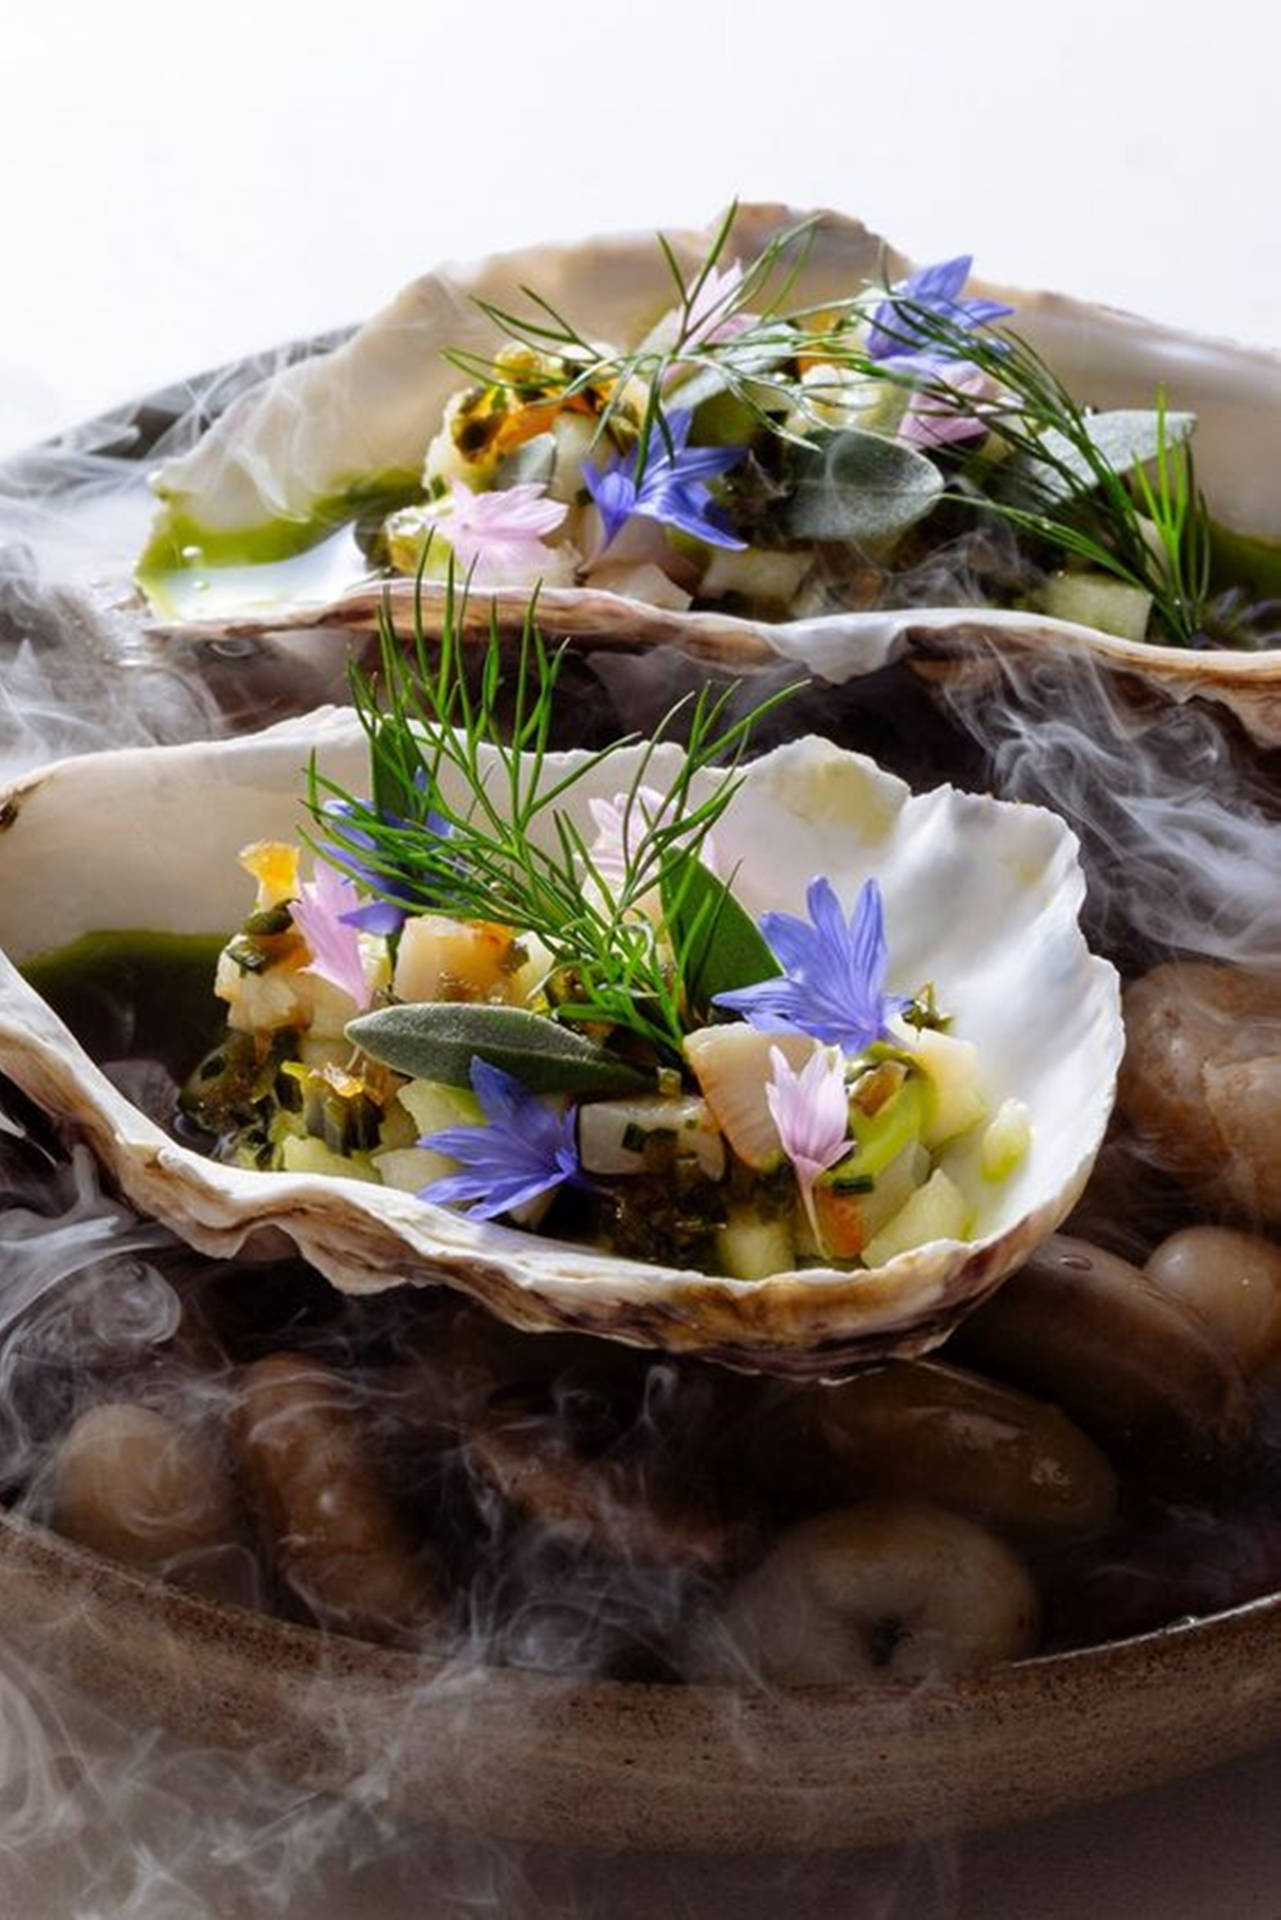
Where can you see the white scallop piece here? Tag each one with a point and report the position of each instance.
(372, 405)
(981, 896)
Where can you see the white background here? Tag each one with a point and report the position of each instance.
(182, 183)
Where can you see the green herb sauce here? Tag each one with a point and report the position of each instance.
(135, 995)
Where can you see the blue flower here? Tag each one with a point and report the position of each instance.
(673, 486)
(833, 981)
(938, 290)
(524, 1149)
(386, 916)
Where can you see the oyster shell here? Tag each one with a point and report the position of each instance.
(371, 406)
(980, 896)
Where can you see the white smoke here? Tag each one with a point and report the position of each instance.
(1181, 828)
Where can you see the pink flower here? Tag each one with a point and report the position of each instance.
(334, 947)
(622, 827)
(708, 322)
(934, 419)
(498, 536)
(811, 1111)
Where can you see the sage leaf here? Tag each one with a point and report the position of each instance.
(859, 487)
(439, 1039)
(1127, 437)
(720, 946)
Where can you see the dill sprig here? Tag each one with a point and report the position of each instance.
(1150, 530)
(630, 385)
(468, 817)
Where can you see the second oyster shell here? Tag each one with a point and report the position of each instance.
(372, 405)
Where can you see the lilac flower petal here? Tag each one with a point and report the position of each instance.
(499, 535)
(937, 289)
(941, 281)
(790, 939)
(675, 509)
(380, 916)
(932, 421)
(501, 1097)
(833, 985)
(811, 1112)
(707, 320)
(524, 1149)
(614, 492)
(672, 490)
(705, 463)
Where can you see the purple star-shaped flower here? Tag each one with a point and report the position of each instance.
(938, 290)
(672, 488)
(833, 980)
(524, 1149)
(385, 916)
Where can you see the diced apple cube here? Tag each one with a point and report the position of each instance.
(936, 1211)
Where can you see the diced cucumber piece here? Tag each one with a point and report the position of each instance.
(323, 1052)
(749, 1247)
(338, 1108)
(936, 1211)
(260, 1002)
(883, 1136)
(398, 1127)
(302, 1154)
(1005, 1140)
(410, 1169)
(1095, 600)
(410, 534)
(533, 970)
(432, 1106)
(574, 438)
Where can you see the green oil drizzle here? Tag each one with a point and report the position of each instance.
(134, 995)
(181, 544)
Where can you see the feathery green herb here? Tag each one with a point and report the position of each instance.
(1065, 487)
(501, 845)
